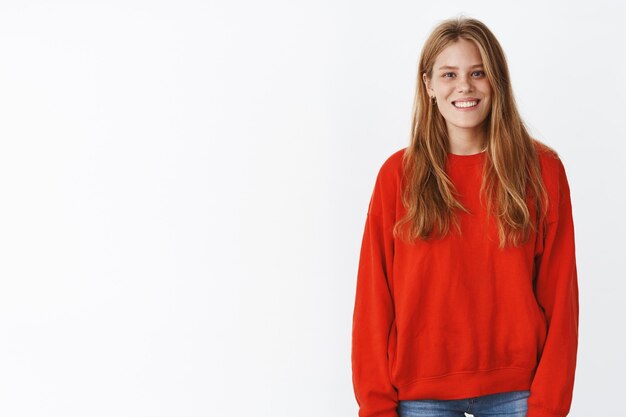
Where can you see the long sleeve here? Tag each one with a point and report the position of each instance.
(374, 311)
(556, 291)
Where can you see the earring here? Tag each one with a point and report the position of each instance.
(433, 100)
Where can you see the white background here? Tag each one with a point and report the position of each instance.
(183, 190)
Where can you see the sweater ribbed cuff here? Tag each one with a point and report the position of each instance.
(538, 411)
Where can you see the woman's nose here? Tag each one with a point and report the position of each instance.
(464, 84)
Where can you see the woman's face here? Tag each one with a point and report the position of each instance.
(458, 76)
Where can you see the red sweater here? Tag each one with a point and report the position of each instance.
(458, 317)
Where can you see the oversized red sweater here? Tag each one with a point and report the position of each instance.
(458, 317)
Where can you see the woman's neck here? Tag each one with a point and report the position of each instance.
(467, 144)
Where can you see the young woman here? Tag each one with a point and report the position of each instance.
(467, 295)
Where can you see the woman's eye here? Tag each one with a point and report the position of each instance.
(481, 73)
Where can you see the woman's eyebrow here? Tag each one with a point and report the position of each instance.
(451, 67)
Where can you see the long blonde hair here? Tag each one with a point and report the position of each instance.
(511, 171)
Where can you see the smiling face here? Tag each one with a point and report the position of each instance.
(458, 77)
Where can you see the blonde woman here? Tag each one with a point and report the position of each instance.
(467, 296)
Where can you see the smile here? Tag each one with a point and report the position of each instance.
(465, 104)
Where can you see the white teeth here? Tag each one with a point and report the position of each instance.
(465, 103)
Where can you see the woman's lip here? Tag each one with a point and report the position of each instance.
(466, 108)
(465, 100)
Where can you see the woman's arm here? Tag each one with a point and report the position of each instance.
(374, 310)
(556, 290)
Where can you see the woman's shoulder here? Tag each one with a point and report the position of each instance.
(544, 152)
(549, 160)
(553, 175)
(389, 175)
(388, 182)
(393, 162)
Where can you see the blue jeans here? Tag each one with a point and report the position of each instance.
(504, 404)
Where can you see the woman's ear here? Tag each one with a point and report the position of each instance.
(426, 81)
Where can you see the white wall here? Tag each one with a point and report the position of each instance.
(183, 190)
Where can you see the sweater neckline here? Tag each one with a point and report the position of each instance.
(466, 159)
